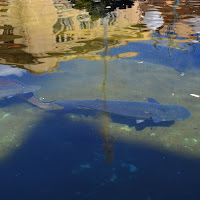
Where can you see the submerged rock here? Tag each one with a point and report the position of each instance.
(113, 178)
(86, 166)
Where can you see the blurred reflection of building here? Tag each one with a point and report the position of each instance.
(180, 24)
(153, 19)
(41, 33)
(33, 21)
(77, 27)
(177, 12)
(38, 34)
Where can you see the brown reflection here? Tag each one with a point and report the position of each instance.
(108, 140)
(177, 16)
(38, 34)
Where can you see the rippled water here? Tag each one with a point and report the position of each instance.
(87, 50)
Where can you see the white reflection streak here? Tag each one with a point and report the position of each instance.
(153, 19)
(6, 70)
(105, 36)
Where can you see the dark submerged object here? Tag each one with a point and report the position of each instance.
(10, 87)
(139, 110)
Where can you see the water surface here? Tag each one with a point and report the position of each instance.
(90, 50)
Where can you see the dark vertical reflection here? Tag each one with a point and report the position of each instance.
(108, 143)
(171, 33)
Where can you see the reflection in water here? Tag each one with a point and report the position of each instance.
(58, 24)
(153, 19)
(64, 32)
(108, 143)
(195, 22)
(6, 70)
(171, 33)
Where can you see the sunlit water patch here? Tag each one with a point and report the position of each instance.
(16, 123)
(131, 81)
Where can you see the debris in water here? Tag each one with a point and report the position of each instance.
(126, 128)
(4, 115)
(195, 95)
(41, 98)
(194, 140)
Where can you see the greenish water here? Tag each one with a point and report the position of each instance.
(127, 80)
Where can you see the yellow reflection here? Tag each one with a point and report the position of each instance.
(38, 34)
(43, 33)
(33, 21)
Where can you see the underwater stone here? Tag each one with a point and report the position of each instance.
(86, 166)
(113, 178)
(132, 168)
(124, 165)
(126, 128)
(6, 115)
(186, 139)
(152, 134)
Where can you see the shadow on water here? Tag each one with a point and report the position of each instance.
(126, 120)
(131, 122)
(10, 101)
(62, 159)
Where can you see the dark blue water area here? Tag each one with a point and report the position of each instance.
(161, 54)
(63, 160)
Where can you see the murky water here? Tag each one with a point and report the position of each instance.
(127, 51)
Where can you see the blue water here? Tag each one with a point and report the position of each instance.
(188, 58)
